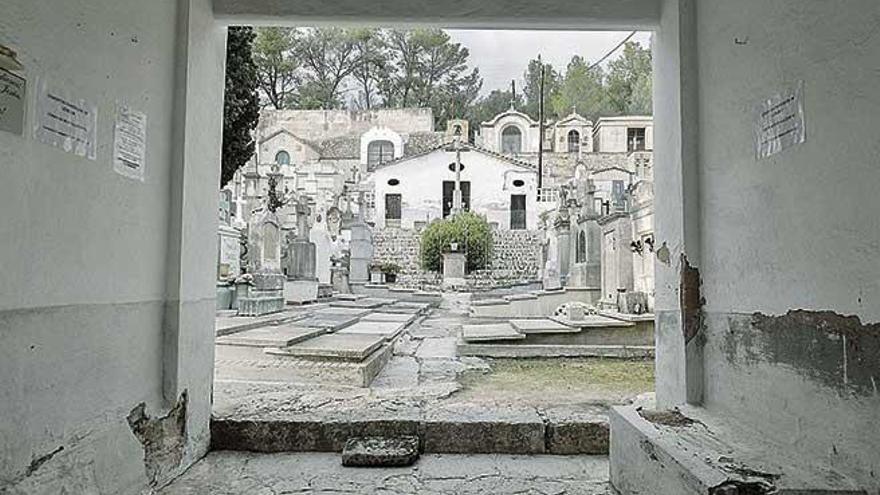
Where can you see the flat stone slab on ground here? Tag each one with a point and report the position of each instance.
(496, 331)
(594, 321)
(272, 336)
(542, 325)
(336, 311)
(365, 303)
(329, 321)
(226, 323)
(339, 346)
(385, 329)
(380, 451)
(437, 348)
(406, 319)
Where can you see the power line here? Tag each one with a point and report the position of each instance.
(593, 66)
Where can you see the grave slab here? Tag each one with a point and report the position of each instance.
(406, 319)
(595, 321)
(485, 333)
(280, 336)
(327, 321)
(365, 303)
(336, 311)
(352, 347)
(542, 325)
(385, 329)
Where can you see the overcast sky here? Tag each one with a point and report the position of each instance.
(504, 55)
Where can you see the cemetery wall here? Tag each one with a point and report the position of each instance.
(516, 257)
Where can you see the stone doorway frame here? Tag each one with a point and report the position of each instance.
(189, 316)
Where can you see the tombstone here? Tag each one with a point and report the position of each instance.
(265, 290)
(320, 237)
(454, 265)
(361, 247)
(228, 264)
(301, 285)
(339, 274)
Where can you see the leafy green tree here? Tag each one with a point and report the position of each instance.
(532, 87)
(241, 108)
(470, 230)
(426, 69)
(629, 81)
(581, 90)
(274, 54)
(371, 61)
(328, 56)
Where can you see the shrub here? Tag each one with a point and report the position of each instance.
(469, 230)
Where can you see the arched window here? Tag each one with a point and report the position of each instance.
(511, 140)
(574, 141)
(379, 152)
(282, 158)
(580, 255)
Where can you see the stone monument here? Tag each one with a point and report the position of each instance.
(301, 285)
(264, 292)
(454, 266)
(360, 246)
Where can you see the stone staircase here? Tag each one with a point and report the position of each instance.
(595, 335)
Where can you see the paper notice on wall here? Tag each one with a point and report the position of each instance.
(129, 142)
(779, 123)
(66, 122)
(12, 102)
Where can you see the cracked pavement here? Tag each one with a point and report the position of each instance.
(234, 473)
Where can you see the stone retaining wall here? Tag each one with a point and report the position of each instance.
(516, 257)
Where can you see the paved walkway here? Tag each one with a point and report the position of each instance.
(234, 473)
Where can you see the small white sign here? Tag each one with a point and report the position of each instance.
(779, 123)
(12, 102)
(130, 142)
(67, 123)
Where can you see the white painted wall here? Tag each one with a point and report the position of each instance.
(800, 229)
(91, 259)
(421, 187)
(610, 134)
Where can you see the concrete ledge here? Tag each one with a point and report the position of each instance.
(304, 435)
(480, 431)
(536, 351)
(491, 302)
(453, 429)
(693, 452)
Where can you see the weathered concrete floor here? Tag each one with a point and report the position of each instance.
(424, 372)
(234, 473)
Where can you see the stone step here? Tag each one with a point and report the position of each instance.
(542, 325)
(351, 347)
(271, 336)
(450, 429)
(490, 333)
(694, 452)
(381, 451)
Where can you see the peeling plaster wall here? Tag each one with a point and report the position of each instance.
(91, 303)
(799, 230)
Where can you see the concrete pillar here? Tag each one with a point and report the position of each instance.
(188, 323)
(679, 362)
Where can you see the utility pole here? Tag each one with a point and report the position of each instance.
(512, 93)
(456, 193)
(541, 133)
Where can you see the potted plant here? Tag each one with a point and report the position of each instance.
(390, 270)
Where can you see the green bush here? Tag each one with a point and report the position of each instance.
(469, 230)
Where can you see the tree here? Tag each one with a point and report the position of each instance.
(329, 56)
(371, 60)
(426, 69)
(470, 230)
(581, 89)
(274, 54)
(241, 108)
(532, 87)
(629, 81)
